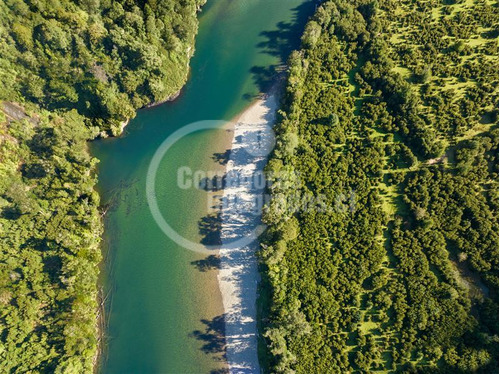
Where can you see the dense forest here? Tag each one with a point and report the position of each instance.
(70, 70)
(390, 116)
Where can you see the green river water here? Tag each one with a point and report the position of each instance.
(163, 306)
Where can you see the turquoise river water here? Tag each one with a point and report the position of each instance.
(163, 305)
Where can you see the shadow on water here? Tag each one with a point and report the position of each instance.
(223, 157)
(220, 371)
(213, 339)
(279, 43)
(211, 262)
(212, 184)
(210, 229)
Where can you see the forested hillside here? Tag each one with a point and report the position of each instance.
(69, 71)
(390, 118)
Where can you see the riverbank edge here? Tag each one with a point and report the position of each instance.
(168, 99)
(265, 104)
(101, 324)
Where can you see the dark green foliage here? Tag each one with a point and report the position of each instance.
(105, 58)
(399, 137)
(50, 245)
(77, 69)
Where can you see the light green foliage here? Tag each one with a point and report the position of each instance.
(397, 102)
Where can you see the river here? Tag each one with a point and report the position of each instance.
(163, 304)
